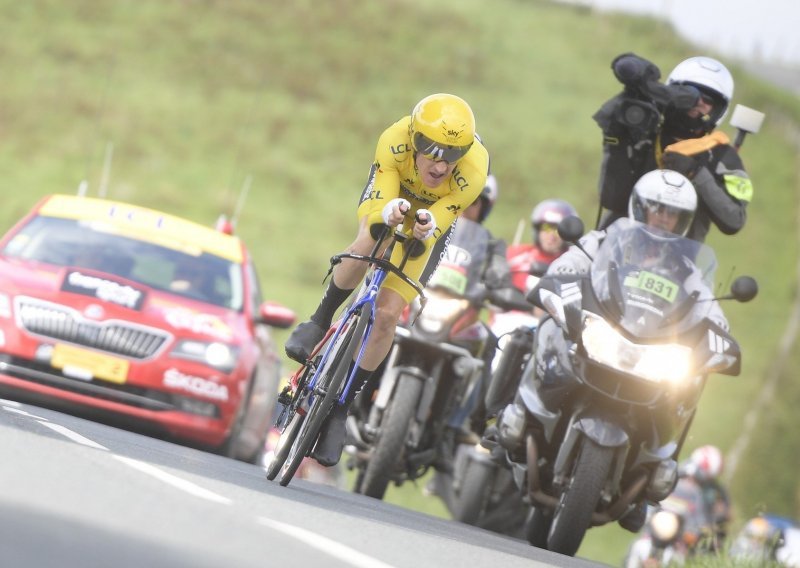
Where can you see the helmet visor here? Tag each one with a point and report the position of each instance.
(435, 151)
(672, 219)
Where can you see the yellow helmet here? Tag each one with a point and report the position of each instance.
(442, 127)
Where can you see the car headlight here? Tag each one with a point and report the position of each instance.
(658, 363)
(217, 355)
(439, 311)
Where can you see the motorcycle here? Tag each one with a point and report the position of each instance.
(433, 371)
(617, 371)
(677, 528)
(482, 491)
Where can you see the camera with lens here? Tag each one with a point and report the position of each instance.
(640, 107)
(640, 118)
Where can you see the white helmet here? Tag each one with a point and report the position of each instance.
(707, 461)
(712, 78)
(664, 188)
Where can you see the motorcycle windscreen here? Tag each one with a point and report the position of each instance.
(459, 271)
(653, 282)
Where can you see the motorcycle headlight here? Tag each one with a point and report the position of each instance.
(217, 355)
(439, 311)
(665, 525)
(657, 363)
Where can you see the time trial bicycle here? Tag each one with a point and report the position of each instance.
(327, 377)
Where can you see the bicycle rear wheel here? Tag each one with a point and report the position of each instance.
(288, 436)
(291, 424)
(329, 385)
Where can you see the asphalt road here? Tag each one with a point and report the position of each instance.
(79, 494)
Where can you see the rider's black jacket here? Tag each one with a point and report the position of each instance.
(723, 186)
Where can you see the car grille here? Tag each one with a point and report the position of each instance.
(62, 323)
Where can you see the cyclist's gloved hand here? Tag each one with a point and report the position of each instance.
(394, 211)
(425, 225)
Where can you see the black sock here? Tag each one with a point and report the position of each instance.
(331, 300)
(359, 380)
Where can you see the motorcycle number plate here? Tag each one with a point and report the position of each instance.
(86, 365)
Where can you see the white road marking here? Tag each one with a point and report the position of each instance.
(175, 481)
(19, 410)
(74, 436)
(326, 545)
(13, 403)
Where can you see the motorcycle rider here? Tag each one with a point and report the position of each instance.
(705, 467)
(429, 166)
(495, 272)
(530, 260)
(672, 126)
(665, 200)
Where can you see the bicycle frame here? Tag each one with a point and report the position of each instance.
(369, 295)
(314, 383)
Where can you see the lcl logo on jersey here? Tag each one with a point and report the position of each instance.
(400, 149)
(460, 180)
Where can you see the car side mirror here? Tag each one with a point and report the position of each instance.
(276, 315)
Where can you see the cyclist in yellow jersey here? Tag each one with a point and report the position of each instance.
(431, 166)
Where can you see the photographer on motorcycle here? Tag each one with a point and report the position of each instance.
(428, 168)
(652, 125)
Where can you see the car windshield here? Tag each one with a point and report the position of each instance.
(189, 273)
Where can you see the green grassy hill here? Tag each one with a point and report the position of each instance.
(195, 98)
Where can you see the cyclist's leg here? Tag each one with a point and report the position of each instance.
(346, 276)
(389, 306)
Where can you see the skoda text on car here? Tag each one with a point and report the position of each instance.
(141, 315)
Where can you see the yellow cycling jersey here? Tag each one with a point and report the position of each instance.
(395, 175)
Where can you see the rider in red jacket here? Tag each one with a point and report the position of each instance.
(530, 260)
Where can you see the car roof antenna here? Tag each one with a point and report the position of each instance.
(227, 226)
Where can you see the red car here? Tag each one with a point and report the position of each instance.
(140, 315)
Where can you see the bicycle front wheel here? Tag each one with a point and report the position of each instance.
(331, 378)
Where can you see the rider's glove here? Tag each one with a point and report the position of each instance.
(680, 163)
(388, 210)
(432, 220)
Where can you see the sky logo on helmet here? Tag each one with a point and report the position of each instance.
(452, 135)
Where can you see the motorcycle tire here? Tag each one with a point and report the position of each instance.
(573, 515)
(537, 527)
(474, 492)
(389, 448)
(333, 376)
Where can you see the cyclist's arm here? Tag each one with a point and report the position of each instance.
(384, 181)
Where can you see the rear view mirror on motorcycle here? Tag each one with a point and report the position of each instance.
(570, 229)
(744, 289)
